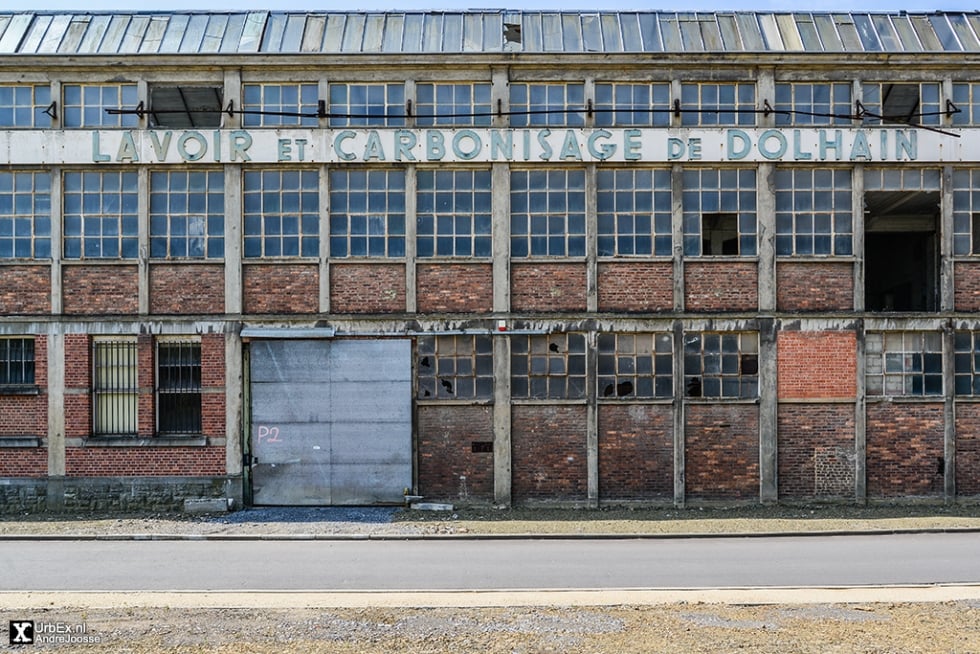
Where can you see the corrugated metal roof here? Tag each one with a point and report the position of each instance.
(41, 33)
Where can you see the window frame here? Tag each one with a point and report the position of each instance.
(23, 225)
(886, 367)
(40, 101)
(170, 212)
(733, 190)
(926, 112)
(382, 230)
(462, 362)
(472, 228)
(118, 386)
(12, 383)
(470, 111)
(619, 221)
(630, 366)
(191, 390)
(743, 353)
(89, 112)
(702, 105)
(797, 214)
(563, 104)
(347, 112)
(262, 208)
(115, 223)
(793, 110)
(609, 113)
(562, 219)
(564, 358)
(263, 105)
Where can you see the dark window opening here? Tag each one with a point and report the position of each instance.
(16, 362)
(179, 388)
(185, 107)
(719, 233)
(976, 233)
(899, 103)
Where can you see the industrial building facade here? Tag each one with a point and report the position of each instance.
(488, 257)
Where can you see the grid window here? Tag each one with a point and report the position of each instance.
(456, 367)
(966, 212)
(966, 97)
(635, 366)
(452, 105)
(967, 353)
(718, 104)
(178, 387)
(16, 361)
(454, 213)
(719, 212)
(721, 365)
(101, 215)
(280, 105)
(633, 212)
(187, 214)
(25, 215)
(24, 106)
(813, 104)
(547, 105)
(282, 213)
(89, 105)
(115, 388)
(813, 211)
(887, 103)
(548, 367)
(367, 213)
(547, 213)
(367, 105)
(901, 179)
(626, 105)
(904, 363)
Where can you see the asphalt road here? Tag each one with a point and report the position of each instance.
(815, 561)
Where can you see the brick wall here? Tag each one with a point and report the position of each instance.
(721, 285)
(213, 385)
(967, 449)
(281, 288)
(816, 450)
(636, 451)
(78, 375)
(455, 288)
(547, 286)
(814, 286)
(966, 275)
(816, 365)
(187, 289)
(144, 461)
(27, 415)
(722, 451)
(367, 288)
(548, 453)
(904, 449)
(24, 462)
(100, 289)
(636, 287)
(25, 290)
(448, 468)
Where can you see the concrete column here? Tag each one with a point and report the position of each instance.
(143, 236)
(233, 239)
(766, 235)
(501, 237)
(679, 416)
(501, 422)
(56, 401)
(591, 231)
(861, 422)
(233, 94)
(57, 221)
(233, 403)
(591, 421)
(857, 213)
(765, 89)
(324, 235)
(949, 414)
(677, 229)
(768, 413)
(947, 283)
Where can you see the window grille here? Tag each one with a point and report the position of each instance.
(16, 361)
(116, 390)
(178, 387)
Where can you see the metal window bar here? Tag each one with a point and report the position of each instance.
(16, 361)
(115, 388)
(179, 388)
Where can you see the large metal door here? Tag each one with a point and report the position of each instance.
(331, 421)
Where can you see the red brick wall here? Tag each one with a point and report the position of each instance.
(816, 365)
(816, 450)
(78, 375)
(27, 415)
(548, 453)
(904, 448)
(547, 286)
(636, 287)
(281, 288)
(94, 289)
(455, 288)
(367, 288)
(448, 467)
(146, 376)
(25, 290)
(967, 449)
(187, 288)
(144, 461)
(722, 451)
(721, 285)
(213, 385)
(636, 451)
(815, 286)
(24, 462)
(966, 275)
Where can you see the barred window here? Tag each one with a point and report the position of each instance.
(367, 105)
(635, 366)
(967, 357)
(16, 361)
(115, 388)
(187, 214)
(903, 103)
(547, 213)
(966, 97)
(966, 211)
(281, 213)
(730, 103)
(454, 213)
(634, 212)
(367, 213)
(453, 105)
(813, 211)
(455, 367)
(178, 387)
(101, 217)
(547, 105)
(813, 104)
(280, 105)
(548, 367)
(88, 105)
(904, 363)
(25, 215)
(623, 104)
(25, 105)
(719, 212)
(722, 365)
